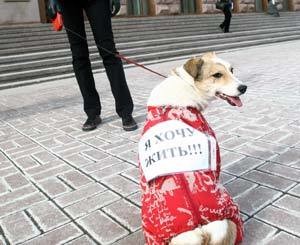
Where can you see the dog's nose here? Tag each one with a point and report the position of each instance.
(242, 88)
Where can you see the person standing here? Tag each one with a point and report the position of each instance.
(227, 13)
(99, 13)
(272, 8)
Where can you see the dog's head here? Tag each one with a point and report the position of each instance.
(213, 77)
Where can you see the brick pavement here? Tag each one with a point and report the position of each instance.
(60, 185)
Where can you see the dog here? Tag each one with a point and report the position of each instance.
(183, 203)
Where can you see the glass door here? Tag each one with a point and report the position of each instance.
(137, 7)
(188, 6)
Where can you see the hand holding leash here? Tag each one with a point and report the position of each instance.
(54, 10)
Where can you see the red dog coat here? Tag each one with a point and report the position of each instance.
(181, 202)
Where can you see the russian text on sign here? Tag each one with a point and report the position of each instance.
(174, 147)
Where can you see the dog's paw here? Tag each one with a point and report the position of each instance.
(194, 237)
(221, 232)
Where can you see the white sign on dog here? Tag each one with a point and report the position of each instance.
(174, 147)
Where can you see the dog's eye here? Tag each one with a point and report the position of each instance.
(217, 75)
(231, 69)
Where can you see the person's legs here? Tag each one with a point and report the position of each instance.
(227, 20)
(74, 25)
(98, 13)
(223, 23)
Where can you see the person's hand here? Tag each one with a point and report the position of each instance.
(115, 6)
(53, 7)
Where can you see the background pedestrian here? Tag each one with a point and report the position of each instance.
(272, 8)
(227, 13)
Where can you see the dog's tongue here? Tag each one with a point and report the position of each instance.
(234, 101)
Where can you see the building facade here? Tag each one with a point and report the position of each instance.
(14, 11)
(172, 7)
(24, 11)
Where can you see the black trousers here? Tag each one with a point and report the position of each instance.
(226, 23)
(98, 14)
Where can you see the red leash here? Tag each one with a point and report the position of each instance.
(122, 57)
(58, 23)
(137, 64)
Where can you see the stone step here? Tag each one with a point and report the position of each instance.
(121, 21)
(35, 53)
(154, 56)
(20, 58)
(57, 44)
(49, 34)
(151, 21)
(142, 48)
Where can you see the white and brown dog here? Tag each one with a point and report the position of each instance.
(183, 202)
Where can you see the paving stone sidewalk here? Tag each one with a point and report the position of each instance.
(59, 185)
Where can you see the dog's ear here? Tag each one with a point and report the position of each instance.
(193, 67)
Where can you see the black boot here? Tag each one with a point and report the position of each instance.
(91, 123)
(129, 123)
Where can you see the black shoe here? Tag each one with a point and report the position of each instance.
(129, 124)
(91, 124)
(221, 27)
